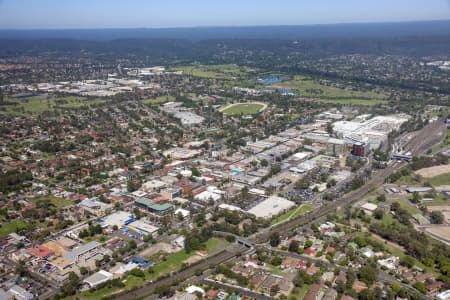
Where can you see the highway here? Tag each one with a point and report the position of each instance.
(419, 143)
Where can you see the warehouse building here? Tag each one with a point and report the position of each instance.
(142, 227)
(271, 207)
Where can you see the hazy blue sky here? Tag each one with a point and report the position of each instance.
(178, 13)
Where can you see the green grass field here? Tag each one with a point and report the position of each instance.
(158, 100)
(14, 226)
(356, 102)
(38, 104)
(443, 179)
(311, 88)
(444, 145)
(56, 201)
(229, 71)
(243, 109)
(307, 87)
(298, 211)
(412, 210)
(415, 180)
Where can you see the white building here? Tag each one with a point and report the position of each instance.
(444, 295)
(271, 207)
(98, 278)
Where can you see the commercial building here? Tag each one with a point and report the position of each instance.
(142, 227)
(160, 209)
(271, 207)
(360, 149)
(74, 255)
(336, 146)
(118, 219)
(372, 132)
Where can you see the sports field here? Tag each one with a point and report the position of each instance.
(244, 108)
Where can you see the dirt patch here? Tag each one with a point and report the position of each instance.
(433, 171)
(193, 259)
(438, 208)
(159, 247)
(440, 232)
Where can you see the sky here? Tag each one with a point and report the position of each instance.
(64, 14)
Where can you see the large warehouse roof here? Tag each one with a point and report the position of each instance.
(271, 206)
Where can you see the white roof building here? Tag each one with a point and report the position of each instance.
(141, 226)
(205, 196)
(194, 289)
(369, 207)
(444, 295)
(19, 292)
(389, 263)
(229, 207)
(271, 206)
(98, 278)
(153, 185)
(120, 268)
(117, 219)
(184, 212)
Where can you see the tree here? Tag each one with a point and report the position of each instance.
(378, 214)
(381, 198)
(416, 197)
(407, 261)
(293, 246)
(437, 217)
(308, 244)
(264, 163)
(330, 128)
(274, 289)
(137, 213)
(83, 271)
(276, 261)
(275, 239)
(195, 172)
(368, 274)
(137, 272)
(420, 286)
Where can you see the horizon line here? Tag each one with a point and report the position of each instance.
(227, 26)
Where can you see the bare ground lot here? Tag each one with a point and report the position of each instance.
(440, 232)
(159, 247)
(439, 208)
(433, 171)
(193, 259)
